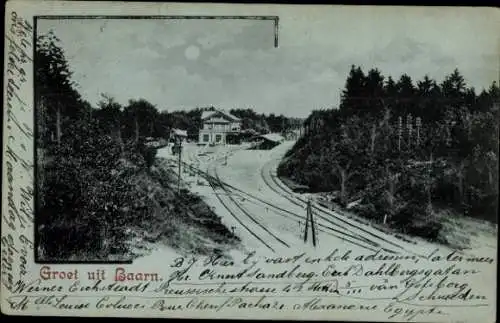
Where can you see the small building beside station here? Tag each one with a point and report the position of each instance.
(178, 135)
(267, 141)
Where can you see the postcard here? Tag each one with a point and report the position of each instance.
(244, 161)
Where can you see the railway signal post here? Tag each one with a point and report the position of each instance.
(177, 149)
(310, 223)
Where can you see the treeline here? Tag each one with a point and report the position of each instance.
(404, 150)
(263, 123)
(140, 119)
(96, 177)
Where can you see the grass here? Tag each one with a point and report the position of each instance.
(461, 232)
(182, 220)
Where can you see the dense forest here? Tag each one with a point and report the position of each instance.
(404, 150)
(99, 185)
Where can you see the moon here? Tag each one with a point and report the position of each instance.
(192, 52)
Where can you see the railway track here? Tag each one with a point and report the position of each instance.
(325, 215)
(246, 213)
(214, 182)
(213, 186)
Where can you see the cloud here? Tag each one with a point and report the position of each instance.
(238, 65)
(400, 50)
(224, 33)
(220, 32)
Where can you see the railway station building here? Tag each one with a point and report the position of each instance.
(218, 127)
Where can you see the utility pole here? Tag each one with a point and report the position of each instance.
(400, 131)
(310, 221)
(419, 124)
(409, 125)
(177, 148)
(179, 181)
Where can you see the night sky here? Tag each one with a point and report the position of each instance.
(181, 64)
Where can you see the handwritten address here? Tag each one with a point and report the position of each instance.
(377, 282)
(17, 215)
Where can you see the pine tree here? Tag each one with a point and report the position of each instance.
(406, 96)
(352, 98)
(374, 92)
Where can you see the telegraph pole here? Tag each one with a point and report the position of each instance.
(419, 124)
(409, 125)
(307, 223)
(310, 220)
(400, 131)
(177, 148)
(313, 226)
(179, 180)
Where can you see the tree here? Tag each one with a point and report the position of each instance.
(429, 94)
(352, 98)
(139, 117)
(163, 125)
(390, 89)
(392, 186)
(57, 100)
(374, 92)
(494, 92)
(194, 122)
(380, 128)
(453, 91)
(349, 155)
(109, 118)
(405, 96)
(453, 86)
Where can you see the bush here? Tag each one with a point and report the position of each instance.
(414, 219)
(66, 239)
(149, 155)
(82, 193)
